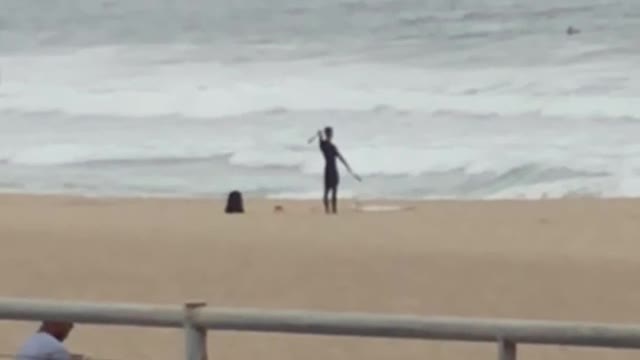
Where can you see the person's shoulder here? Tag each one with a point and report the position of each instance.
(42, 343)
(43, 340)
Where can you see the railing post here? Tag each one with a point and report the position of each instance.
(195, 336)
(506, 350)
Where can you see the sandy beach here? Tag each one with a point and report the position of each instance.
(553, 259)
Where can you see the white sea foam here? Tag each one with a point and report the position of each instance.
(99, 82)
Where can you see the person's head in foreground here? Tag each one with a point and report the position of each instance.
(58, 329)
(328, 133)
(46, 343)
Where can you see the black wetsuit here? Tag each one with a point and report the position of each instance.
(331, 176)
(330, 152)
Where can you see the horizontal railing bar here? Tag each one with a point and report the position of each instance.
(92, 313)
(428, 328)
(329, 323)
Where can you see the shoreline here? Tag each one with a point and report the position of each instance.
(270, 198)
(260, 205)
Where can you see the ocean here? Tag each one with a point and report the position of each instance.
(429, 99)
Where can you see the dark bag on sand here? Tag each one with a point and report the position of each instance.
(234, 203)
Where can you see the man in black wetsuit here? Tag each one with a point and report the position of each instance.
(331, 175)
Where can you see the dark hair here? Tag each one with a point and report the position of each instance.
(328, 131)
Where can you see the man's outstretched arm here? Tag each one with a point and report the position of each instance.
(346, 165)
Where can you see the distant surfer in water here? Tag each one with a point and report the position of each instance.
(572, 31)
(331, 175)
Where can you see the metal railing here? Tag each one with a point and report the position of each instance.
(196, 318)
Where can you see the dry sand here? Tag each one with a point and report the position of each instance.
(566, 259)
